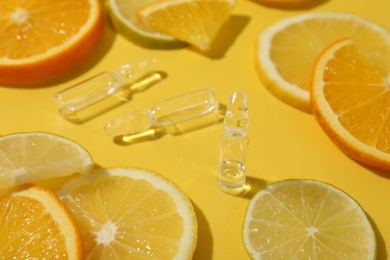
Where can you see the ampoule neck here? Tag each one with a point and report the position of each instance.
(236, 118)
(127, 72)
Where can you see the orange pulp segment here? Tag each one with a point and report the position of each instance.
(351, 99)
(40, 39)
(34, 224)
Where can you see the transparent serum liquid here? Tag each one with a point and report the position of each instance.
(231, 177)
(170, 117)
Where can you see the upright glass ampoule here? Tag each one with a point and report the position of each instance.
(231, 176)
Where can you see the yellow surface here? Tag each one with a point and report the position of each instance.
(284, 142)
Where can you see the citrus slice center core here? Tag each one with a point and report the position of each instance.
(20, 16)
(107, 234)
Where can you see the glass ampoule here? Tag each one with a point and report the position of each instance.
(231, 176)
(92, 92)
(164, 114)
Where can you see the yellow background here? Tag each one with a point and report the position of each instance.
(284, 142)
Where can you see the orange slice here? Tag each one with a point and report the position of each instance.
(196, 22)
(41, 39)
(288, 49)
(351, 99)
(34, 224)
(130, 213)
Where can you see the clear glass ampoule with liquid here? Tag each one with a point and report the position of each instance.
(105, 90)
(169, 116)
(231, 176)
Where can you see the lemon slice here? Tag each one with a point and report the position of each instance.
(34, 224)
(29, 157)
(196, 22)
(123, 17)
(306, 219)
(129, 213)
(288, 50)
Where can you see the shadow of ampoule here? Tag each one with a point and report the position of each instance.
(251, 188)
(153, 133)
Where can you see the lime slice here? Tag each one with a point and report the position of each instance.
(306, 219)
(123, 14)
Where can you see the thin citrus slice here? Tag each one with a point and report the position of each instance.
(306, 219)
(196, 22)
(130, 213)
(287, 50)
(29, 157)
(351, 99)
(41, 39)
(34, 224)
(123, 14)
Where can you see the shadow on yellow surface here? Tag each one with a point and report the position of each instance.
(381, 251)
(291, 5)
(204, 246)
(226, 37)
(253, 185)
(381, 173)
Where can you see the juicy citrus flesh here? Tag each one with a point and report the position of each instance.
(34, 224)
(36, 35)
(131, 213)
(306, 219)
(288, 50)
(350, 98)
(196, 22)
(123, 14)
(29, 157)
(39, 23)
